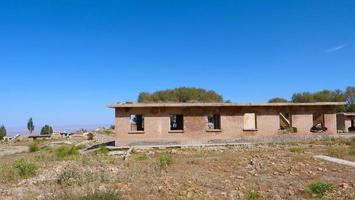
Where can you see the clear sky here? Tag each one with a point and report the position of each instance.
(63, 61)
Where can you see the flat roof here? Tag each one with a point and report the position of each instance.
(348, 113)
(149, 105)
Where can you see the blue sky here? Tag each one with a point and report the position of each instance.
(63, 61)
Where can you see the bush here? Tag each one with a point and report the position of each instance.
(142, 156)
(103, 150)
(318, 189)
(66, 153)
(25, 168)
(351, 150)
(254, 195)
(33, 147)
(338, 151)
(70, 177)
(165, 160)
(90, 136)
(97, 195)
(296, 149)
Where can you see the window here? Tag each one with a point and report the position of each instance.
(137, 122)
(214, 121)
(249, 122)
(176, 122)
(285, 121)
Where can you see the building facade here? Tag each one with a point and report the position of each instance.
(197, 123)
(346, 122)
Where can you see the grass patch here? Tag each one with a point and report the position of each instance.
(70, 177)
(109, 195)
(66, 153)
(25, 168)
(164, 160)
(19, 169)
(142, 156)
(338, 151)
(351, 149)
(103, 150)
(296, 149)
(33, 147)
(254, 195)
(318, 188)
(80, 146)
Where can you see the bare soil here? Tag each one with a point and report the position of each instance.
(274, 171)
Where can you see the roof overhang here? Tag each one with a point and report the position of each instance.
(162, 105)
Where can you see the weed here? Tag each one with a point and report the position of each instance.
(296, 149)
(25, 168)
(165, 160)
(103, 150)
(142, 156)
(254, 195)
(351, 149)
(33, 147)
(318, 188)
(66, 153)
(70, 177)
(338, 151)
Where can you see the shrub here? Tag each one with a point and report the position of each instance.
(338, 151)
(33, 147)
(296, 149)
(90, 136)
(103, 150)
(66, 153)
(318, 188)
(165, 160)
(142, 156)
(97, 195)
(70, 177)
(254, 195)
(25, 168)
(351, 149)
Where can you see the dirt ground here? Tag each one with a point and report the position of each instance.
(273, 171)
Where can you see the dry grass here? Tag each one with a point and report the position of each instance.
(232, 172)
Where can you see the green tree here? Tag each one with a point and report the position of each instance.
(277, 100)
(303, 97)
(2, 132)
(181, 94)
(30, 125)
(350, 99)
(46, 130)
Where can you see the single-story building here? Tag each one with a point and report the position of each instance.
(346, 122)
(196, 123)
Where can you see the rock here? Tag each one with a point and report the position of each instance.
(174, 151)
(344, 185)
(240, 177)
(160, 188)
(319, 169)
(251, 162)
